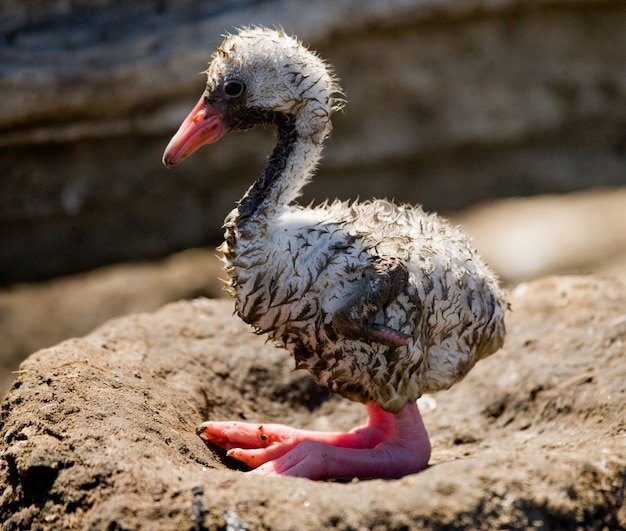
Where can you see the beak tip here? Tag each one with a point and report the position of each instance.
(171, 155)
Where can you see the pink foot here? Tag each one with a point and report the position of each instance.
(389, 446)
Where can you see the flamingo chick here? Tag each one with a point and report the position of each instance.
(380, 302)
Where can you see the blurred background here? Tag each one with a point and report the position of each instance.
(508, 116)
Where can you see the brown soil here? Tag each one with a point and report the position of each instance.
(99, 432)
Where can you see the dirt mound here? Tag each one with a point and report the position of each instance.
(99, 432)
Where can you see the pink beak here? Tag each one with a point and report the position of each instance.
(205, 124)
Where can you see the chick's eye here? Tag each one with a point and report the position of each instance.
(233, 88)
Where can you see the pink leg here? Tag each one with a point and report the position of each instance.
(388, 446)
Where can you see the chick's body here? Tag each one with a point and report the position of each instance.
(318, 281)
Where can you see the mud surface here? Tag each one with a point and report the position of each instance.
(99, 432)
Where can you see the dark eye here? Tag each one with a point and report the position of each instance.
(233, 88)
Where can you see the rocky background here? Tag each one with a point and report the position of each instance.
(508, 116)
(451, 103)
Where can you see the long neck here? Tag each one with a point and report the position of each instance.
(289, 168)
